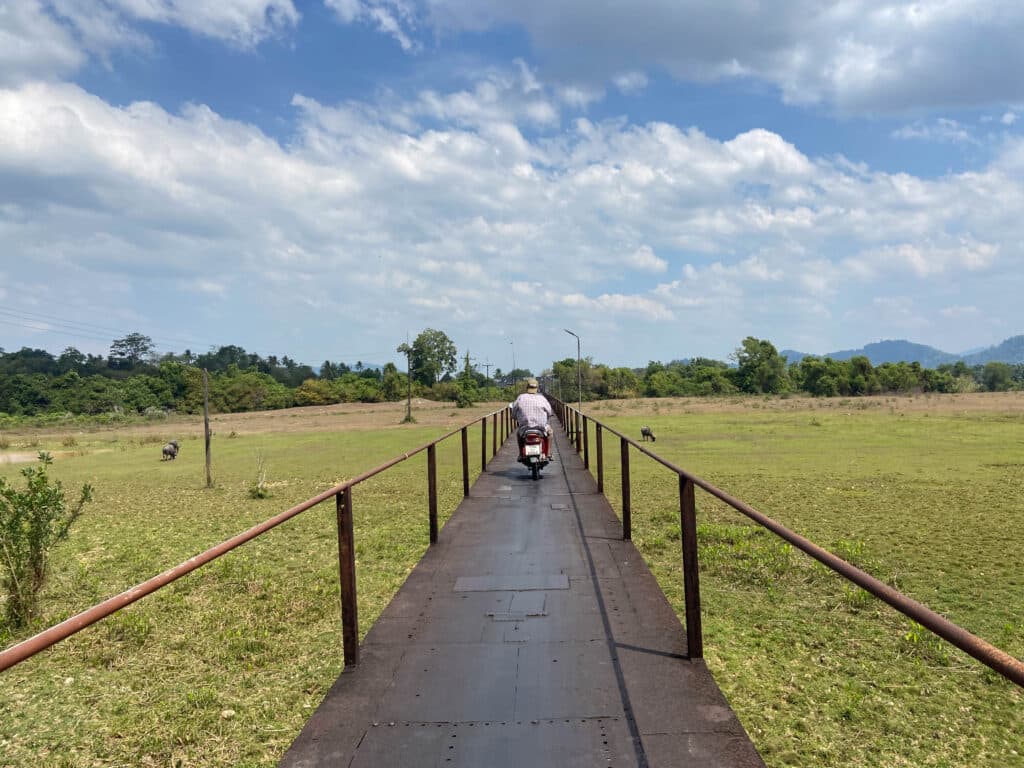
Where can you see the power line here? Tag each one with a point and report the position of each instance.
(82, 329)
(85, 330)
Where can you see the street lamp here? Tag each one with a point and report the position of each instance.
(513, 343)
(579, 369)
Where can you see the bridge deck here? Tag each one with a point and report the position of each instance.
(530, 635)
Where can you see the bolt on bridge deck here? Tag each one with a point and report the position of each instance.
(530, 635)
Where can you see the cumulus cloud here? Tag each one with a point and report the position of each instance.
(32, 44)
(644, 258)
(926, 259)
(859, 57)
(426, 210)
(51, 40)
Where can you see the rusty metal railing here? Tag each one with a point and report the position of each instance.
(576, 426)
(501, 423)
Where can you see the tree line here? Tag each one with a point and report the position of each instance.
(131, 379)
(756, 367)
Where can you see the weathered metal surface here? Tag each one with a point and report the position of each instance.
(511, 583)
(585, 672)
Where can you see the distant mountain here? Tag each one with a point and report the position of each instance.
(1009, 351)
(900, 350)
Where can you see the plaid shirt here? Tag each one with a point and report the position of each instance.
(532, 410)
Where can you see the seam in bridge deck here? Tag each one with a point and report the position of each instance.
(529, 635)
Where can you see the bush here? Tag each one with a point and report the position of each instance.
(31, 523)
(258, 489)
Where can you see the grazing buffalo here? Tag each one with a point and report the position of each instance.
(645, 433)
(170, 451)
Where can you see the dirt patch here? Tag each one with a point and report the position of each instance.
(21, 457)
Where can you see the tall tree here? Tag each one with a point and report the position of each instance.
(130, 350)
(432, 356)
(760, 367)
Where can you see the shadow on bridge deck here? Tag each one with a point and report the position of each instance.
(530, 635)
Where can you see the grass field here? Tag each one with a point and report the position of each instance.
(926, 494)
(223, 668)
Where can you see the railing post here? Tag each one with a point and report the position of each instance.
(432, 490)
(627, 514)
(465, 461)
(347, 575)
(494, 435)
(579, 437)
(586, 445)
(600, 457)
(483, 444)
(691, 579)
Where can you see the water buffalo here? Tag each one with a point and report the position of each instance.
(645, 432)
(170, 451)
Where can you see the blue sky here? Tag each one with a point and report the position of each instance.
(665, 177)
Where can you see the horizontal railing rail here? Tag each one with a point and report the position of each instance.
(501, 422)
(576, 425)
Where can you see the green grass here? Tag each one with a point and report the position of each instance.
(224, 667)
(820, 673)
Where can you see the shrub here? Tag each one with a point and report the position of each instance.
(4, 443)
(31, 523)
(259, 489)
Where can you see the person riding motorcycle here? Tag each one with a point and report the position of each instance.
(531, 409)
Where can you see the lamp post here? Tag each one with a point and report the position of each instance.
(579, 369)
(513, 343)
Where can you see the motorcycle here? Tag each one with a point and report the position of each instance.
(535, 452)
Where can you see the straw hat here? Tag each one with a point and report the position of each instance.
(531, 385)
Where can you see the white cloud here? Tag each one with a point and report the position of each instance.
(619, 304)
(941, 130)
(49, 40)
(453, 209)
(1009, 118)
(644, 258)
(32, 44)
(860, 57)
(955, 312)
(630, 82)
(926, 259)
(394, 18)
(579, 96)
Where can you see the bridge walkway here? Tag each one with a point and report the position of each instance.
(529, 635)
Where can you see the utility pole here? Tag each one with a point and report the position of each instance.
(579, 368)
(513, 343)
(407, 349)
(206, 425)
(488, 367)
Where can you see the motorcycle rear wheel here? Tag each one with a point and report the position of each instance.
(535, 470)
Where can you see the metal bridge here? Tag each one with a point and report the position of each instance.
(532, 634)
